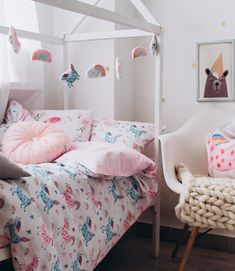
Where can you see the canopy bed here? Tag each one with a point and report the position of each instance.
(148, 27)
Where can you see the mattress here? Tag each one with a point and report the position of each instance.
(65, 217)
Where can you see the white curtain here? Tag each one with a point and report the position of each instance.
(4, 70)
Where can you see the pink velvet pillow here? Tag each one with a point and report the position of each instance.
(34, 142)
(107, 159)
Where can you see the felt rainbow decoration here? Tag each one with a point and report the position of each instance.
(96, 71)
(42, 55)
(138, 51)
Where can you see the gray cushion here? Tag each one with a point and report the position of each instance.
(9, 170)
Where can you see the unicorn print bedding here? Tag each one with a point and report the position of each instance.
(65, 217)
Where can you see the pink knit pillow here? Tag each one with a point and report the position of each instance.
(34, 142)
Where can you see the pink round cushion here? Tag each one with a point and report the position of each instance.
(34, 142)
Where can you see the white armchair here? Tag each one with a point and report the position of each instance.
(187, 145)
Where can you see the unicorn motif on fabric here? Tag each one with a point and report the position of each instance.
(66, 236)
(47, 239)
(56, 264)
(108, 230)
(112, 190)
(133, 192)
(41, 172)
(76, 264)
(68, 196)
(137, 132)
(109, 138)
(86, 230)
(25, 201)
(72, 174)
(96, 203)
(43, 195)
(13, 226)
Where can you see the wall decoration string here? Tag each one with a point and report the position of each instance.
(96, 71)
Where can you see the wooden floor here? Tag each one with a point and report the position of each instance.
(135, 255)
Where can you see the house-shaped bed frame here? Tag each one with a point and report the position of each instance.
(137, 28)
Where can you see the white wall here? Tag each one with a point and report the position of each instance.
(97, 94)
(109, 97)
(185, 23)
(124, 88)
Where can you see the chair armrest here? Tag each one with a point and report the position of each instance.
(171, 148)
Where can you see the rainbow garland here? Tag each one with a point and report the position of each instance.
(42, 55)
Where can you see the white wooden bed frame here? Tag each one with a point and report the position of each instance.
(138, 28)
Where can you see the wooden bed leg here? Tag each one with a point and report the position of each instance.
(181, 238)
(156, 229)
(188, 248)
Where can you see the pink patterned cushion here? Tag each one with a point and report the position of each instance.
(76, 123)
(221, 154)
(136, 135)
(34, 142)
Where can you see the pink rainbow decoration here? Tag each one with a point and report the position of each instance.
(138, 51)
(96, 71)
(42, 55)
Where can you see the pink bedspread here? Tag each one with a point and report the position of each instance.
(67, 218)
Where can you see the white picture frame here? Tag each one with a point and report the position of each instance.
(215, 71)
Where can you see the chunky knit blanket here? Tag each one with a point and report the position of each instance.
(206, 202)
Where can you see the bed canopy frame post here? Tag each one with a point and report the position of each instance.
(65, 88)
(158, 124)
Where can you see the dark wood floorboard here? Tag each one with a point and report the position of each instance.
(135, 254)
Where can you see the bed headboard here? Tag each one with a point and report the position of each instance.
(30, 98)
(4, 94)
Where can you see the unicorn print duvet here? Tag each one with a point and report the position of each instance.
(66, 216)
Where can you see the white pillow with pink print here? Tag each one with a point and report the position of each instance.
(136, 135)
(76, 123)
(221, 154)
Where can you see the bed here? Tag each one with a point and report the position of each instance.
(65, 216)
(111, 205)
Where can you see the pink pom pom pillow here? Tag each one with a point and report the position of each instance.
(34, 142)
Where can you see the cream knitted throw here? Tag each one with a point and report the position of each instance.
(206, 202)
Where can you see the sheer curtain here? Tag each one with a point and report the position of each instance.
(4, 70)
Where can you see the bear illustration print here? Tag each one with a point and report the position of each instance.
(215, 87)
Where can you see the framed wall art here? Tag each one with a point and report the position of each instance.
(215, 75)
